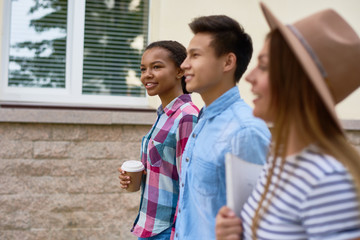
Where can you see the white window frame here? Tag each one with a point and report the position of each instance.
(71, 95)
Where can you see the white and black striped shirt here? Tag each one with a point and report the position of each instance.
(315, 199)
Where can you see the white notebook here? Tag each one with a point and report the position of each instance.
(241, 178)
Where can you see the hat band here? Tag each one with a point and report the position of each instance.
(308, 49)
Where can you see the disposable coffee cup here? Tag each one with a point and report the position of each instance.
(134, 169)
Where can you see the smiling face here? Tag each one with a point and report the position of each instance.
(259, 79)
(159, 75)
(204, 71)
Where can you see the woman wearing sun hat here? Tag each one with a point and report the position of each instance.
(310, 186)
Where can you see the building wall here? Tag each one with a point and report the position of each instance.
(169, 19)
(60, 180)
(58, 168)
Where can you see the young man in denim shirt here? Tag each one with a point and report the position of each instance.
(217, 57)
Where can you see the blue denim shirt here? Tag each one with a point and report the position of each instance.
(226, 125)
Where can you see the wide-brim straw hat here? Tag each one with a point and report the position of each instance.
(329, 51)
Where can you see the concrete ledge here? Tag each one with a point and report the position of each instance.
(101, 117)
(351, 124)
(73, 116)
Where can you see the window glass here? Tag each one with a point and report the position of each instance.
(75, 51)
(37, 44)
(115, 36)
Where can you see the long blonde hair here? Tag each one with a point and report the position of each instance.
(296, 103)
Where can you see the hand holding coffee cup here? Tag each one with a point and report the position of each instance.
(131, 173)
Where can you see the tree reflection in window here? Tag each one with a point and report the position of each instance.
(114, 37)
(37, 44)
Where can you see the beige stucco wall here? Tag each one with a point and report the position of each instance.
(170, 18)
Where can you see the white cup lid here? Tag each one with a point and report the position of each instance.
(132, 166)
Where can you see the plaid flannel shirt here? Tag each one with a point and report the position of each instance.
(161, 152)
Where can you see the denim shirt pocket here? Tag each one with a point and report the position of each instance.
(206, 177)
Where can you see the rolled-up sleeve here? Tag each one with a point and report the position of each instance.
(251, 144)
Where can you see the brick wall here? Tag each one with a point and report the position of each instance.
(60, 181)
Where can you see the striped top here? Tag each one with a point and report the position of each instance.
(315, 199)
(161, 152)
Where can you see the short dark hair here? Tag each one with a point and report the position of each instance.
(228, 36)
(177, 54)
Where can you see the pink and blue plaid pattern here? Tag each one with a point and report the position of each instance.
(161, 152)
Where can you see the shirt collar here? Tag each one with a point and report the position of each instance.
(174, 105)
(221, 103)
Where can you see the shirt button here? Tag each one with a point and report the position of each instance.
(177, 235)
(179, 210)
(194, 135)
(182, 184)
(187, 159)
